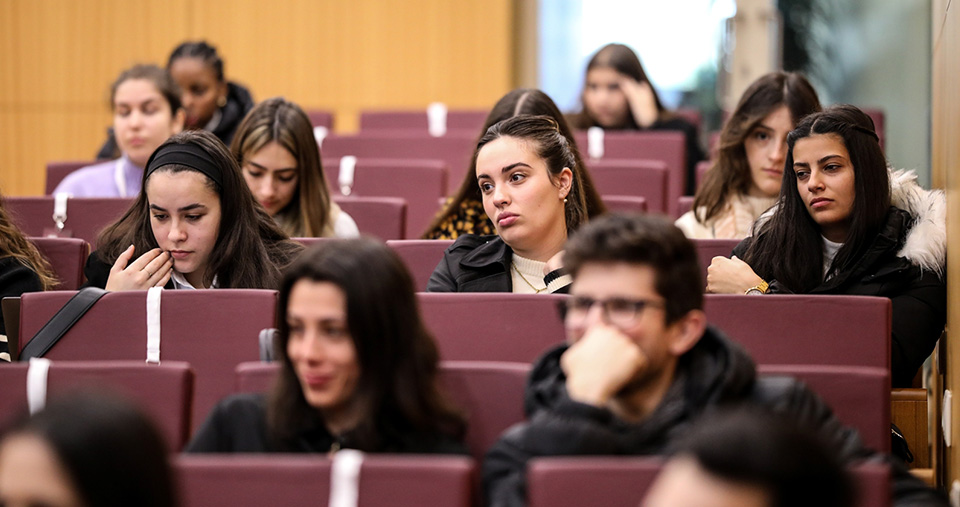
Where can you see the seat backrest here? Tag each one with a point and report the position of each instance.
(86, 216)
(666, 146)
(164, 391)
(421, 257)
(492, 326)
(294, 481)
(707, 249)
(460, 120)
(213, 330)
(624, 203)
(455, 149)
(795, 329)
(684, 204)
(58, 170)
(381, 217)
(490, 394)
(641, 178)
(67, 257)
(624, 481)
(320, 118)
(421, 183)
(858, 395)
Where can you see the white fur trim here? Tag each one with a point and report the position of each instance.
(926, 243)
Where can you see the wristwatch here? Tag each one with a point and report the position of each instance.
(760, 288)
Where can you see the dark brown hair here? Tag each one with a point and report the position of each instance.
(250, 249)
(397, 391)
(527, 101)
(730, 173)
(281, 121)
(625, 61)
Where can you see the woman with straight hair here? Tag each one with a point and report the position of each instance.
(146, 107)
(463, 213)
(193, 225)
(358, 369)
(280, 161)
(744, 180)
(85, 450)
(533, 190)
(22, 269)
(845, 224)
(617, 95)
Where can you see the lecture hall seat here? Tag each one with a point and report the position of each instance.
(421, 257)
(67, 257)
(86, 216)
(641, 178)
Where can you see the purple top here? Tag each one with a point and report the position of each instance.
(101, 180)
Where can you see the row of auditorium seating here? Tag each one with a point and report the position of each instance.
(777, 331)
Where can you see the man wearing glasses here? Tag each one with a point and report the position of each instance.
(641, 365)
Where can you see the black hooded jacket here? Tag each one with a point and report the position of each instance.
(713, 374)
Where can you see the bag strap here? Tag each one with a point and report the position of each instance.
(62, 321)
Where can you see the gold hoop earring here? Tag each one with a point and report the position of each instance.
(222, 101)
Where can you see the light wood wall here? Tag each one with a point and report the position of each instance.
(945, 156)
(59, 57)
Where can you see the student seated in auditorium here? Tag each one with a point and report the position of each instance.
(617, 95)
(358, 369)
(280, 159)
(845, 224)
(194, 224)
(85, 450)
(463, 213)
(641, 366)
(748, 458)
(533, 190)
(211, 102)
(745, 179)
(22, 269)
(146, 112)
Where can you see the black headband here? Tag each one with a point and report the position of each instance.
(189, 155)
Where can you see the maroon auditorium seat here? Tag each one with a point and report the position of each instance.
(684, 204)
(804, 329)
(492, 326)
(641, 178)
(86, 217)
(382, 217)
(254, 480)
(213, 330)
(707, 249)
(419, 182)
(858, 395)
(320, 118)
(666, 146)
(624, 203)
(57, 171)
(421, 257)
(623, 481)
(164, 391)
(67, 257)
(454, 149)
(463, 121)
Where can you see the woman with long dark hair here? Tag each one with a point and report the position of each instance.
(358, 369)
(844, 224)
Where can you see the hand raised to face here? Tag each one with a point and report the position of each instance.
(642, 100)
(600, 363)
(152, 269)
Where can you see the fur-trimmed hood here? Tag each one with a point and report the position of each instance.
(926, 242)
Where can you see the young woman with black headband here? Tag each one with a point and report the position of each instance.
(193, 225)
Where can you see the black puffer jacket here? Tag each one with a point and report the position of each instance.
(714, 373)
(476, 264)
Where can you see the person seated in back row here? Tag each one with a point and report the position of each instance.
(641, 366)
(358, 369)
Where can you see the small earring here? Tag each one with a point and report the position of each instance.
(564, 200)
(222, 101)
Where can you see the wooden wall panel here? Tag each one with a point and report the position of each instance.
(945, 157)
(59, 57)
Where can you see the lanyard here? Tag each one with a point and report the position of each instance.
(120, 178)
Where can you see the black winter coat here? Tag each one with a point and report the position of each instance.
(239, 424)
(714, 372)
(475, 264)
(919, 297)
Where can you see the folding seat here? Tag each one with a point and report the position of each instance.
(492, 326)
(421, 257)
(164, 392)
(707, 249)
(641, 178)
(213, 330)
(384, 479)
(463, 121)
(455, 149)
(624, 203)
(321, 118)
(85, 217)
(805, 329)
(58, 170)
(381, 217)
(684, 204)
(67, 257)
(421, 183)
(666, 146)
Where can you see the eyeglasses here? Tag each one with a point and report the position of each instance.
(618, 311)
